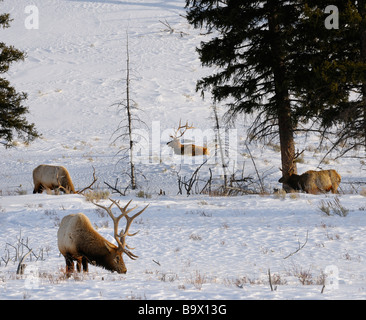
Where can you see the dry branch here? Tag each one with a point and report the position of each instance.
(89, 187)
(300, 246)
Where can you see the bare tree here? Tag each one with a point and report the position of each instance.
(219, 145)
(126, 128)
(191, 185)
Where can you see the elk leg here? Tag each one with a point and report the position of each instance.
(313, 191)
(69, 264)
(85, 264)
(78, 264)
(35, 190)
(38, 188)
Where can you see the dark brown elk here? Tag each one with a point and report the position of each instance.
(79, 241)
(47, 177)
(313, 182)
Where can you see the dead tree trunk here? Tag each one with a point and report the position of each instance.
(129, 119)
(126, 128)
(220, 146)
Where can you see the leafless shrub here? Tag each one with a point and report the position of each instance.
(134, 296)
(198, 280)
(50, 213)
(225, 226)
(53, 278)
(201, 213)
(241, 281)
(193, 184)
(303, 275)
(20, 251)
(143, 194)
(168, 277)
(333, 208)
(275, 280)
(96, 195)
(195, 237)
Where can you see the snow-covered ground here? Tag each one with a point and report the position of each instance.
(196, 247)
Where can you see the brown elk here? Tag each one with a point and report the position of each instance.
(313, 182)
(47, 177)
(185, 149)
(79, 241)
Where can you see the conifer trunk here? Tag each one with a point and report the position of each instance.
(362, 11)
(283, 106)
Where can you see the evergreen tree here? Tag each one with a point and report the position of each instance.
(12, 111)
(278, 59)
(256, 49)
(338, 97)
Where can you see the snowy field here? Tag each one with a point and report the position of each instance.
(189, 247)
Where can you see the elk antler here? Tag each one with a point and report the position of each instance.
(182, 129)
(121, 237)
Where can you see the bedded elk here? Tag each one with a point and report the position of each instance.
(79, 241)
(185, 149)
(313, 182)
(47, 177)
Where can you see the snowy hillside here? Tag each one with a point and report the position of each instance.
(196, 247)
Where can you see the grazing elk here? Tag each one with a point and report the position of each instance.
(78, 240)
(185, 149)
(313, 182)
(52, 178)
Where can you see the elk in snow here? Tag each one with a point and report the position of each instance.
(313, 182)
(79, 241)
(185, 149)
(47, 177)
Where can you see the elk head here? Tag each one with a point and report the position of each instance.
(178, 133)
(120, 237)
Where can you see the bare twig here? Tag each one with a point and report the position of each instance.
(256, 170)
(157, 262)
(323, 287)
(89, 187)
(191, 182)
(116, 189)
(166, 23)
(223, 162)
(300, 246)
(270, 279)
(170, 29)
(21, 265)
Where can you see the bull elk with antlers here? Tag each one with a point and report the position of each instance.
(79, 241)
(185, 149)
